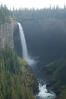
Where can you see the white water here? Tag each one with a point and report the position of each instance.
(26, 56)
(44, 94)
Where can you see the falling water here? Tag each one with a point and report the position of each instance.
(26, 56)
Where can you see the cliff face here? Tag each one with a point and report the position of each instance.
(6, 34)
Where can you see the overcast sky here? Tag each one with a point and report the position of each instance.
(33, 3)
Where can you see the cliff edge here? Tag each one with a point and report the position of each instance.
(6, 34)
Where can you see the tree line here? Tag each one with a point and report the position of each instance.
(31, 14)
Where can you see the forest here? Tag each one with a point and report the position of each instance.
(45, 32)
(15, 80)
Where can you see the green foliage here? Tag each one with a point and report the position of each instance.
(62, 92)
(32, 14)
(58, 75)
(60, 70)
(15, 80)
(4, 14)
(42, 14)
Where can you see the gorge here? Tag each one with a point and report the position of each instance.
(43, 92)
(32, 52)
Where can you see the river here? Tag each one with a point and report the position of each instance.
(44, 94)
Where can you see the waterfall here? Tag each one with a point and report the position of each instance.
(25, 54)
(43, 93)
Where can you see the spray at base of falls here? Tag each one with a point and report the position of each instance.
(26, 56)
(43, 93)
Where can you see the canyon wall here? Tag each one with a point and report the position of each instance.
(6, 34)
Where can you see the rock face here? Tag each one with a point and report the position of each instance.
(17, 41)
(6, 34)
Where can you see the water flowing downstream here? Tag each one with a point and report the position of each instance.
(43, 93)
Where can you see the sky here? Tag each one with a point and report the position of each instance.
(32, 3)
